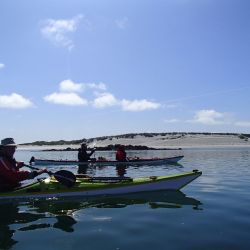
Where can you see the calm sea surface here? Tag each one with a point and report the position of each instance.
(213, 212)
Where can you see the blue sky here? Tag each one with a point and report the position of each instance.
(79, 69)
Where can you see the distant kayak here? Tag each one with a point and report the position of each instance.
(95, 186)
(105, 162)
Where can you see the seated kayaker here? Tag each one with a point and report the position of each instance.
(120, 153)
(83, 155)
(10, 175)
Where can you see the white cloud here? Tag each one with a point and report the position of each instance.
(70, 86)
(99, 86)
(105, 100)
(2, 65)
(68, 95)
(14, 101)
(210, 117)
(139, 105)
(171, 121)
(122, 23)
(71, 99)
(58, 31)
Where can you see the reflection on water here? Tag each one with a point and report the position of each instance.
(122, 170)
(59, 213)
(10, 214)
(85, 169)
(82, 168)
(144, 221)
(168, 199)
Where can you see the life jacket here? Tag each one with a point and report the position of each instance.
(10, 176)
(121, 155)
(83, 155)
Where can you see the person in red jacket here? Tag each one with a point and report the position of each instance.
(10, 175)
(121, 154)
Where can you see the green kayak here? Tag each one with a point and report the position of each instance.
(95, 186)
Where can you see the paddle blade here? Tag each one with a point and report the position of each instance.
(65, 177)
(32, 160)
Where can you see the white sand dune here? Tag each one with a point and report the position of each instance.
(178, 140)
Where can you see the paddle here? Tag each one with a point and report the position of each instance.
(65, 177)
(93, 146)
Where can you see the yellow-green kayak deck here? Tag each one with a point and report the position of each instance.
(49, 187)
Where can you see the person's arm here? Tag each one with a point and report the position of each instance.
(14, 177)
(11, 176)
(92, 152)
(20, 164)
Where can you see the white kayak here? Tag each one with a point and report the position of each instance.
(105, 162)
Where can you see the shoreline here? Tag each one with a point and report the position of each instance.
(183, 148)
(169, 141)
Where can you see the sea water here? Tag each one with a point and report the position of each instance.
(213, 212)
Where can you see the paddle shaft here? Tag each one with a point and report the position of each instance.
(29, 166)
(101, 178)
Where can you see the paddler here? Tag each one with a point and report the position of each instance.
(83, 155)
(120, 153)
(10, 175)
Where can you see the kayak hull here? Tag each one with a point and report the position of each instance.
(135, 162)
(85, 187)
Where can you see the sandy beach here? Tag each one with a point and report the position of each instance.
(170, 141)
